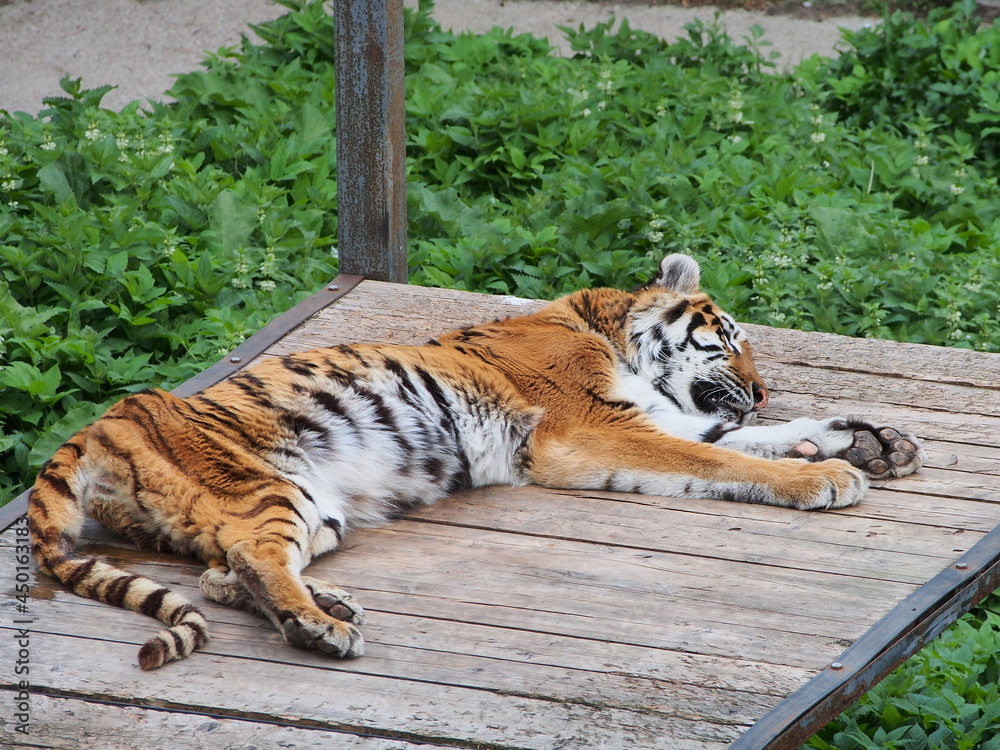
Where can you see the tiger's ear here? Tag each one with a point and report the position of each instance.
(679, 273)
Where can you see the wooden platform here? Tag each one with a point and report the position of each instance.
(530, 618)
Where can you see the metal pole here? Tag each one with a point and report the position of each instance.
(371, 139)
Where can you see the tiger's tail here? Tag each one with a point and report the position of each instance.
(55, 519)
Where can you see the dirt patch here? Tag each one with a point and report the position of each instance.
(138, 44)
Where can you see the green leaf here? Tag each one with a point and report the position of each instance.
(53, 179)
(232, 218)
(116, 264)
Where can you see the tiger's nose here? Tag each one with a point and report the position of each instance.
(759, 391)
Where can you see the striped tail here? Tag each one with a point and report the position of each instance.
(55, 518)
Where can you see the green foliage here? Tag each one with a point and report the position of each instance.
(856, 195)
(945, 697)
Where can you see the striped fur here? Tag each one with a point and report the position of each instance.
(650, 391)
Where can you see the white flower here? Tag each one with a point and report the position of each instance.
(602, 105)
(3, 151)
(736, 116)
(92, 133)
(816, 120)
(656, 223)
(960, 173)
(267, 285)
(586, 111)
(48, 144)
(655, 237)
(921, 144)
(240, 283)
(922, 161)
(956, 189)
(661, 112)
(734, 138)
(8, 185)
(817, 137)
(13, 204)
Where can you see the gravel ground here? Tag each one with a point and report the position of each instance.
(138, 44)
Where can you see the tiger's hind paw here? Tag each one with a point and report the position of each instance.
(335, 602)
(883, 452)
(334, 638)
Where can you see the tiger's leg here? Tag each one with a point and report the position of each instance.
(223, 586)
(636, 457)
(267, 566)
(877, 450)
(880, 452)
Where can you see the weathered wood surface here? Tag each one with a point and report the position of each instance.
(533, 618)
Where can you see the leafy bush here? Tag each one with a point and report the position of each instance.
(856, 195)
(946, 696)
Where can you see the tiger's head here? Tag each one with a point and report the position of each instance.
(689, 349)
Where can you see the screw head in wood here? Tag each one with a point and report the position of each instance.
(236, 360)
(836, 665)
(961, 566)
(332, 288)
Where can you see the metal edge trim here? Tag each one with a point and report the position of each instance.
(904, 630)
(253, 347)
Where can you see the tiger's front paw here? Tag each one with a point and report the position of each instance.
(880, 452)
(826, 485)
(883, 452)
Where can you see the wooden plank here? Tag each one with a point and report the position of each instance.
(64, 723)
(260, 645)
(966, 457)
(954, 514)
(378, 312)
(473, 655)
(782, 377)
(437, 633)
(326, 697)
(935, 364)
(602, 593)
(975, 429)
(833, 543)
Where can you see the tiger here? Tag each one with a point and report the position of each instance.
(650, 391)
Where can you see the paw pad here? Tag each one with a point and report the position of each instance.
(884, 452)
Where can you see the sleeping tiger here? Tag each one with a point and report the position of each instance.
(649, 391)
